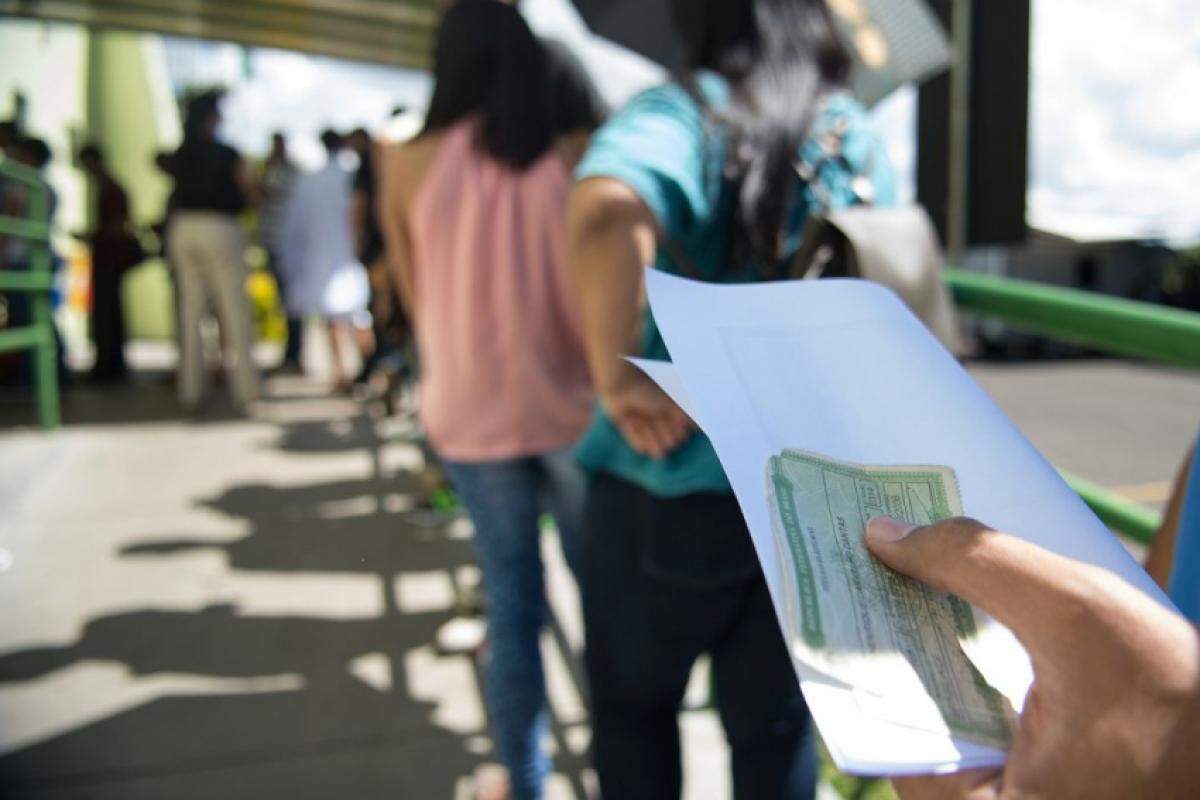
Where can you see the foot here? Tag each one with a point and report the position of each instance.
(491, 783)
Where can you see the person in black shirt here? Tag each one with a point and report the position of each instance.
(114, 250)
(207, 250)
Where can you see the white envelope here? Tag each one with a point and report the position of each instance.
(842, 368)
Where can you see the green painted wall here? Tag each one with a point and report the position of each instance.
(133, 115)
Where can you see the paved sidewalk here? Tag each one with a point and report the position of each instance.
(217, 608)
(222, 608)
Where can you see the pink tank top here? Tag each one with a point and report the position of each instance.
(502, 361)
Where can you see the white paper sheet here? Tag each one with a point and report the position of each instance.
(842, 368)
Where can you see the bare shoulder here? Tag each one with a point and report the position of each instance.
(407, 162)
(416, 153)
(411, 158)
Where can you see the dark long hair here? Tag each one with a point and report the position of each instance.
(780, 57)
(487, 61)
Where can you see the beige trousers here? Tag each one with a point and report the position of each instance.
(207, 251)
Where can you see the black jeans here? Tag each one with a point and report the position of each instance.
(108, 320)
(295, 325)
(666, 580)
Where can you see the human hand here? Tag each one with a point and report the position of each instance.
(1114, 710)
(647, 418)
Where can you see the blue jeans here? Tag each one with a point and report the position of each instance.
(505, 499)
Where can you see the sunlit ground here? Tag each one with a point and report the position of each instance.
(210, 605)
(220, 608)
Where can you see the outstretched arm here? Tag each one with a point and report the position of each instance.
(611, 237)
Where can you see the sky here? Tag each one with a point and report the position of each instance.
(1115, 110)
(1114, 102)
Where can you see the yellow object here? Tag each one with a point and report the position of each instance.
(270, 324)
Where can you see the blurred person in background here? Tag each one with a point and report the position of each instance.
(32, 152)
(699, 177)
(114, 250)
(472, 216)
(16, 200)
(369, 242)
(162, 162)
(9, 133)
(207, 249)
(321, 272)
(275, 186)
(389, 361)
(17, 252)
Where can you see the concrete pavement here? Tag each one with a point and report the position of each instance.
(1122, 425)
(227, 608)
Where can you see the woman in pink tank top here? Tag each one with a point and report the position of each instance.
(473, 216)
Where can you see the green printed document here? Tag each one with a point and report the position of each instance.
(828, 403)
(893, 640)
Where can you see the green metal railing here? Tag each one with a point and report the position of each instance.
(1132, 519)
(36, 280)
(1110, 324)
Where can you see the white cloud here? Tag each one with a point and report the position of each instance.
(1115, 118)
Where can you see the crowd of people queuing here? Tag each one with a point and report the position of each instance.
(323, 243)
(511, 234)
(318, 230)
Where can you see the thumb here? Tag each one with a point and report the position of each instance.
(1023, 586)
(941, 554)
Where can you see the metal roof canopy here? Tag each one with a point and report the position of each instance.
(393, 32)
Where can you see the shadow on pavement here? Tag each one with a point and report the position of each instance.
(317, 740)
(308, 726)
(146, 397)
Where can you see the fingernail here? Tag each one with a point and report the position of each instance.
(886, 529)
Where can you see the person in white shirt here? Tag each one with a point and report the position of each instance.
(322, 274)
